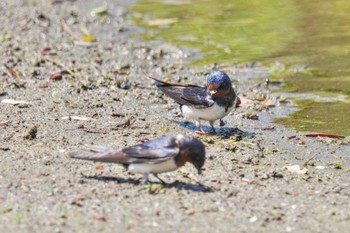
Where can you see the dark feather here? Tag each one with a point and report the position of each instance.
(191, 95)
(153, 151)
(106, 155)
(156, 150)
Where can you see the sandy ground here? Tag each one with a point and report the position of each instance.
(247, 185)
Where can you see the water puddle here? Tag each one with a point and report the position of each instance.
(296, 33)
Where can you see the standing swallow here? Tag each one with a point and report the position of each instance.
(160, 155)
(211, 102)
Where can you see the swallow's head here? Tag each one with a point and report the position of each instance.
(218, 84)
(191, 150)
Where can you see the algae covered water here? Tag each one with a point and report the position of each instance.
(296, 33)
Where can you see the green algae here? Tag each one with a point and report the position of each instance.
(326, 117)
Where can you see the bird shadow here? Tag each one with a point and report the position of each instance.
(222, 131)
(176, 184)
(118, 180)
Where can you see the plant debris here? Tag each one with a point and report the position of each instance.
(50, 59)
(87, 37)
(161, 22)
(69, 31)
(115, 114)
(77, 118)
(57, 76)
(10, 71)
(102, 10)
(296, 169)
(324, 135)
(125, 124)
(250, 116)
(31, 134)
(15, 102)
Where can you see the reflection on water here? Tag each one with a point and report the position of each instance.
(312, 33)
(224, 30)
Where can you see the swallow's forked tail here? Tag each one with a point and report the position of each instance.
(99, 153)
(161, 83)
(157, 80)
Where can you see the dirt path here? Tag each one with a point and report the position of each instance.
(246, 186)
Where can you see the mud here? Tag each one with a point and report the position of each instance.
(104, 98)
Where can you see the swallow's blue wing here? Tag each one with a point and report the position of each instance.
(197, 97)
(153, 151)
(190, 95)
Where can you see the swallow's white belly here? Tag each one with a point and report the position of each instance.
(154, 168)
(212, 113)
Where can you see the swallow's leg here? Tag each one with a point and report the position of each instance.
(162, 181)
(212, 127)
(222, 123)
(145, 178)
(199, 125)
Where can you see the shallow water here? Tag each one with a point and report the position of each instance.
(296, 33)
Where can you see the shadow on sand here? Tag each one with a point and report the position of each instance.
(177, 184)
(222, 131)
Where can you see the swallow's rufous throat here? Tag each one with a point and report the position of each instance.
(211, 102)
(160, 155)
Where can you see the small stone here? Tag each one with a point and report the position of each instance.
(253, 219)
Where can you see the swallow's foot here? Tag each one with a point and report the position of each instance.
(145, 179)
(162, 181)
(222, 123)
(212, 131)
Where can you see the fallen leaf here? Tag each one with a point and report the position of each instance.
(10, 71)
(200, 133)
(87, 36)
(102, 218)
(77, 118)
(99, 166)
(301, 142)
(57, 76)
(127, 123)
(337, 166)
(269, 103)
(15, 102)
(324, 135)
(296, 169)
(99, 11)
(160, 22)
(44, 50)
(5, 36)
(245, 102)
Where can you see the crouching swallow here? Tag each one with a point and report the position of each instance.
(160, 155)
(210, 103)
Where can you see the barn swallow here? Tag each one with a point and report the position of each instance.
(160, 155)
(211, 102)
